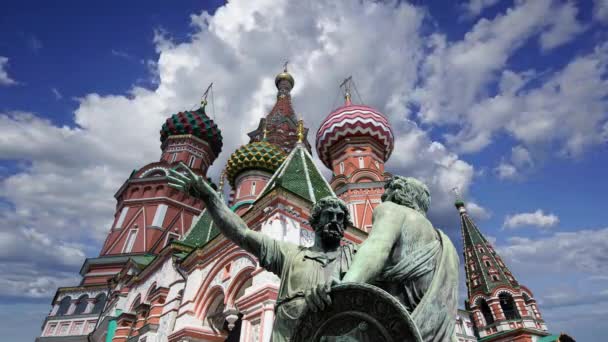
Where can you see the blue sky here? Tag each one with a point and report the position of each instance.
(507, 100)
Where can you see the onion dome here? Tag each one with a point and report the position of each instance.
(351, 121)
(284, 76)
(259, 155)
(284, 82)
(196, 123)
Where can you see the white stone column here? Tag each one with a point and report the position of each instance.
(268, 320)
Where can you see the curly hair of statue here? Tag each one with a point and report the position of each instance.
(410, 192)
(329, 201)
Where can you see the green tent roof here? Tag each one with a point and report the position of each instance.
(203, 231)
(299, 174)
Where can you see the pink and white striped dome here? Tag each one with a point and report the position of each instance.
(353, 121)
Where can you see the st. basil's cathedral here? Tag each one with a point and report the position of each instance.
(165, 273)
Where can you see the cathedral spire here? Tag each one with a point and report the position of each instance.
(280, 124)
(494, 295)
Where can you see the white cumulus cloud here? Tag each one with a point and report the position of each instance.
(67, 175)
(600, 10)
(5, 79)
(537, 219)
(474, 7)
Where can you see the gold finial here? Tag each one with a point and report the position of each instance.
(346, 85)
(264, 137)
(300, 131)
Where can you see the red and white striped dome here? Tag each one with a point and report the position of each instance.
(353, 121)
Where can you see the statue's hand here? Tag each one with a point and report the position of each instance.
(317, 298)
(190, 183)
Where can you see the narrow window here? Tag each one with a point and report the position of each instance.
(253, 188)
(130, 241)
(50, 329)
(360, 162)
(81, 305)
(159, 216)
(508, 306)
(121, 218)
(191, 161)
(238, 192)
(64, 328)
(486, 312)
(488, 263)
(494, 277)
(77, 328)
(341, 167)
(173, 157)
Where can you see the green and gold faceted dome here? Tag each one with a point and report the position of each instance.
(196, 123)
(259, 155)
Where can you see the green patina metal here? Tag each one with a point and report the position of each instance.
(140, 260)
(112, 326)
(240, 204)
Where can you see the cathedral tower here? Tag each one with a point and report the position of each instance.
(250, 167)
(149, 214)
(355, 141)
(502, 308)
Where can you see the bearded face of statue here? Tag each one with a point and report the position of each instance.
(330, 226)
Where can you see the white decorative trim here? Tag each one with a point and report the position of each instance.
(156, 168)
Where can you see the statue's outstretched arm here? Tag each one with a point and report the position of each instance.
(375, 251)
(229, 223)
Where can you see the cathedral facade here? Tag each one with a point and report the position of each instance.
(164, 273)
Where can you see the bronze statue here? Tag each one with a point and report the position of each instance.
(305, 272)
(410, 259)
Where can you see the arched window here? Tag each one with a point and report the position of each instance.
(64, 306)
(508, 306)
(341, 167)
(81, 304)
(488, 263)
(214, 316)
(486, 312)
(494, 277)
(100, 302)
(136, 303)
(151, 292)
